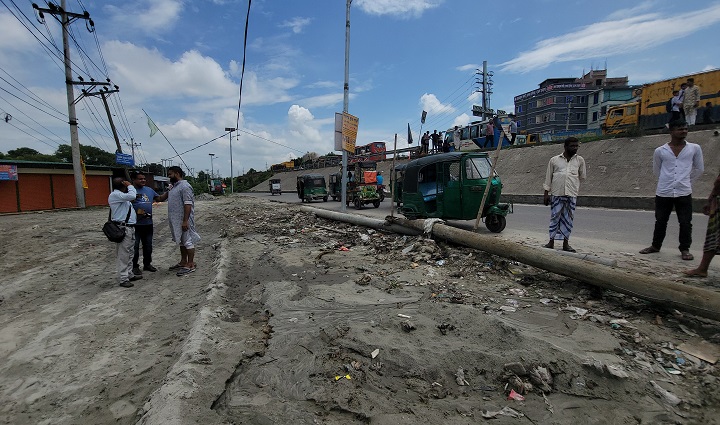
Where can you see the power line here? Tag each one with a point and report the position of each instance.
(23, 131)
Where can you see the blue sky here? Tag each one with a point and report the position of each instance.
(180, 61)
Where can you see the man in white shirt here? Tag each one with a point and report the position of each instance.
(120, 201)
(562, 184)
(676, 164)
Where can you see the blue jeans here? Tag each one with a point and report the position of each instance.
(144, 234)
(663, 209)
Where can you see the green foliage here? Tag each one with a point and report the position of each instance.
(251, 179)
(28, 154)
(91, 155)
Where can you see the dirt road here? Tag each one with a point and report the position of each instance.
(281, 319)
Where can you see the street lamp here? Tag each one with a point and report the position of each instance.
(212, 170)
(232, 185)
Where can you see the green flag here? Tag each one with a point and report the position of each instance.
(153, 128)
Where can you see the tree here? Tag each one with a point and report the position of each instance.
(309, 156)
(155, 169)
(29, 154)
(90, 154)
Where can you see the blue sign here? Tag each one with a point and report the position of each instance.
(8, 172)
(124, 159)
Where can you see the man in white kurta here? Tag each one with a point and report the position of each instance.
(181, 219)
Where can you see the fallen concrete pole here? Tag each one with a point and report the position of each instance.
(362, 220)
(662, 292)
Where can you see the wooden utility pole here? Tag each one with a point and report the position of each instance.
(66, 18)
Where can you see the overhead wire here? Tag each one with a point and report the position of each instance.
(31, 135)
(32, 119)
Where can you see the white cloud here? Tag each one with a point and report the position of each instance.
(399, 8)
(151, 16)
(709, 68)
(613, 37)
(324, 100)
(13, 36)
(462, 120)
(297, 24)
(468, 67)
(302, 128)
(431, 104)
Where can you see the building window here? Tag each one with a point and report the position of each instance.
(595, 116)
(598, 82)
(580, 116)
(519, 108)
(603, 111)
(582, 99)
(596, 98)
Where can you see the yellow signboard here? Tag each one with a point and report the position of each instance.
(349, 132)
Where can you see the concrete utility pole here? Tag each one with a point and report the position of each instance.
(66, 18)
(346, 102)
(232, 184)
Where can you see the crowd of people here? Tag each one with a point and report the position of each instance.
(131, 206)
(684, 104)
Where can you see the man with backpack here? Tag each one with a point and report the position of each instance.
(123, 214)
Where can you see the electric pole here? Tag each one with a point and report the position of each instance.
(346, 102)
(486, 89)
(66, 18)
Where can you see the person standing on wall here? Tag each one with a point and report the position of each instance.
(562, 184)
(123, 214)
(489, 134)
(144, 226)
(676, 164)
(513, 129)
(691, 101)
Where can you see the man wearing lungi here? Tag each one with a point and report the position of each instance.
(562, 183)
(181, 219)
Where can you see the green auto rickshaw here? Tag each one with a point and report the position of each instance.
(311, 187)
(451, 186)
(397, 183)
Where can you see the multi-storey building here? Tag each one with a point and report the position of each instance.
(562, 103)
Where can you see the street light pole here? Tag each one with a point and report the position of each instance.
(212, 170)
(346, 101)
(232, 184)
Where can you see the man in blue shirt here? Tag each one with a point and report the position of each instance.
(122, 212)
(144, 227)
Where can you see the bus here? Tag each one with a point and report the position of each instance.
(472, 136)
(374, 151)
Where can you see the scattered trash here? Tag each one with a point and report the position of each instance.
(375, 353)
(666, 395)
(364, 280)
(440, 262)
(549, 405)
(615, 326)
(702, 350)
(460, 377)
(444, 327)
(293, 320)
(615, 371)
(508, 309)
(404, 316)
(515, 367)
(577, 310)
(542, 378)
(338, 377)
(356, 364)
(515, 396)
(545, 301)
(686, 330)
(343, 248)
(407, 326)
(506, 411)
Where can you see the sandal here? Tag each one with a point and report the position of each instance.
(685, 255)
(176, 266)
(694, 273)
(649, 250)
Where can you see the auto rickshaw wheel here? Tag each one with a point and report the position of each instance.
(325, 199)
(495, 223)
(376, 204)
(382, 196)
(358, 203)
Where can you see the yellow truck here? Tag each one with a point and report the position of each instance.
(649, 110)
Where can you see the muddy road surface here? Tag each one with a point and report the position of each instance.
(294, 319)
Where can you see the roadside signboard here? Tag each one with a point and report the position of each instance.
(8, 172)
(349, 132)
(124, 159)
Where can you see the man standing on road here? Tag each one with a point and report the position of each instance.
(456, 140)
(562, 184)
(691, 101)
(122, 213)
(181, 218)
(144, 226)
(676, 165)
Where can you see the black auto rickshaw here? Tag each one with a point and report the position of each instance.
(311, 187)
(275, 187)
(451, 186)
(335, 186)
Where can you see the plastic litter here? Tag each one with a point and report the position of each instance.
(375, 353)
(666, 395)
(506, 411)
(515, 396)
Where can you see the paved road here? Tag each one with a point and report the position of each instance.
(596, 230)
